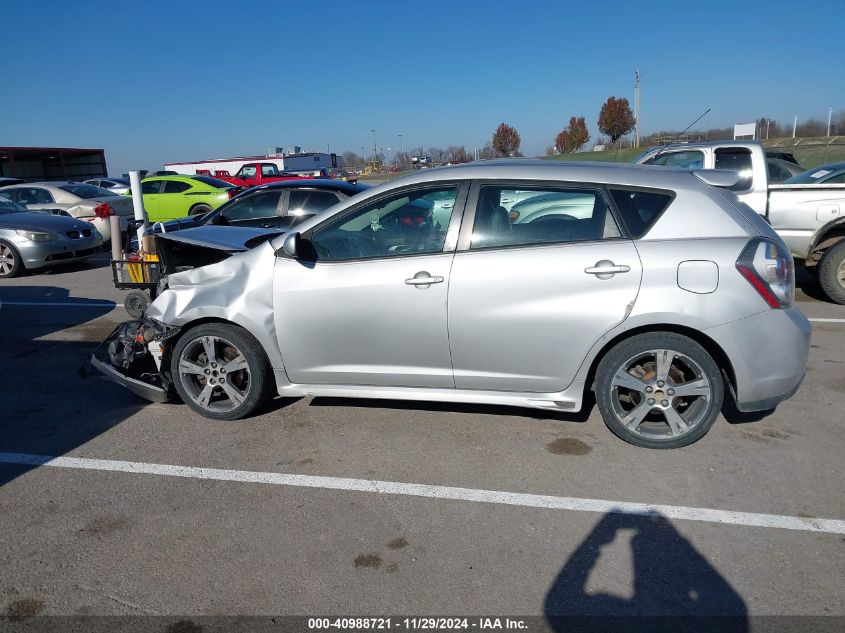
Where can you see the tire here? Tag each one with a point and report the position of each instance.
(832, 273)
(136, 303)
(11, 264)
(199, 209)
(242, 391)
(636, 391)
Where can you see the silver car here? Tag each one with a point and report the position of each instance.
(667, 294)
(30, 240)
(74, 199)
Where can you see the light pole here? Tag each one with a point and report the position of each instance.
(637, 106)
(374, 144)
(829, 117)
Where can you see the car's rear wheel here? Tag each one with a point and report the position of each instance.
(11, 264)
(199, 209)
(832, 272)
(221, 371)
(659, 390)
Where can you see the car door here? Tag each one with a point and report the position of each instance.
(172, 202)
(151, 190)
(529, 296)
(368, 305)
(256, 209)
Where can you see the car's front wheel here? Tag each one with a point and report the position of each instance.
(220, 371)
(10, 261)
(659, 390)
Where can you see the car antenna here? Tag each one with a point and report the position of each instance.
(665, 145)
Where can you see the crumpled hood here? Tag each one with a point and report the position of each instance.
(225, 238)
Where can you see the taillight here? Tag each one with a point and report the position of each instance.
(769, 267)
(232, 192)
(103, 211)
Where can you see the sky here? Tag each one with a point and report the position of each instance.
(154, 82)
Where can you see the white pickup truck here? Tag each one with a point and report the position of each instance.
(809, 218)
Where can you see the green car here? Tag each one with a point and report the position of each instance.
(171, 197)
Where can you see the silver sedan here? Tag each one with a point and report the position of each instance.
(654, 289)
(30, 240)
(74, 199)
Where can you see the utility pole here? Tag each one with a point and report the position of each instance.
(829, 117)
(794, 125)
(637, 106)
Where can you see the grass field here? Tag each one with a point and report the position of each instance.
(809, 152)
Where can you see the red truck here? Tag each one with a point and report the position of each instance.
(252, 174)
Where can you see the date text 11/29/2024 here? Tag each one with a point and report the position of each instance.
(420, 623)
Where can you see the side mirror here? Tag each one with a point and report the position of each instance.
(290, 245)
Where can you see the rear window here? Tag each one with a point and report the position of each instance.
(213, 182)
(86, 192)
(739, 160)
(640, 209)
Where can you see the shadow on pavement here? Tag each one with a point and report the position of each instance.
(669, 585)
(47, 409)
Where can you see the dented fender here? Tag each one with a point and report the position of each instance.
(238, 289)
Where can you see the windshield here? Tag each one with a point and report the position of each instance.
(120, 181)
(813, 176)
(86, 192)
(7, 206)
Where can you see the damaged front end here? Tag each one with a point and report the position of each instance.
(136, 355)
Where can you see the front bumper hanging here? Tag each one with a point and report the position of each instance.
(136, 356)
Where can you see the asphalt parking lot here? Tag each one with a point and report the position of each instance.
(343, 507)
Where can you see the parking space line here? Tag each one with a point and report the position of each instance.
(827, 320)
(683, 513)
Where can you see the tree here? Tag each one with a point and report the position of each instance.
(506, 140)
(573, 136)
(352, 160)
(616, 118)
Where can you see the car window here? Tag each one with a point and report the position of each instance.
(151, 186)
(399, 225)
(640, 209)
(836, 180)
(545, 215)
(259, 205)
(305, 201)
(269, 170)
(689, 159)
(737, 159)
(247, 171)
(175, 186)
(777, 173)
(97, 183)
(86, 192)
(32, 195)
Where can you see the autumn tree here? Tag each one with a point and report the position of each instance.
(573, 136)
(506, 140)
(616, 118)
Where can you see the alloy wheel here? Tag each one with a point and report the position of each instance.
(661, 394)
(7, 260)
(215, 374)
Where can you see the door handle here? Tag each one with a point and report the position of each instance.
(423, 280)
(605, 269)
